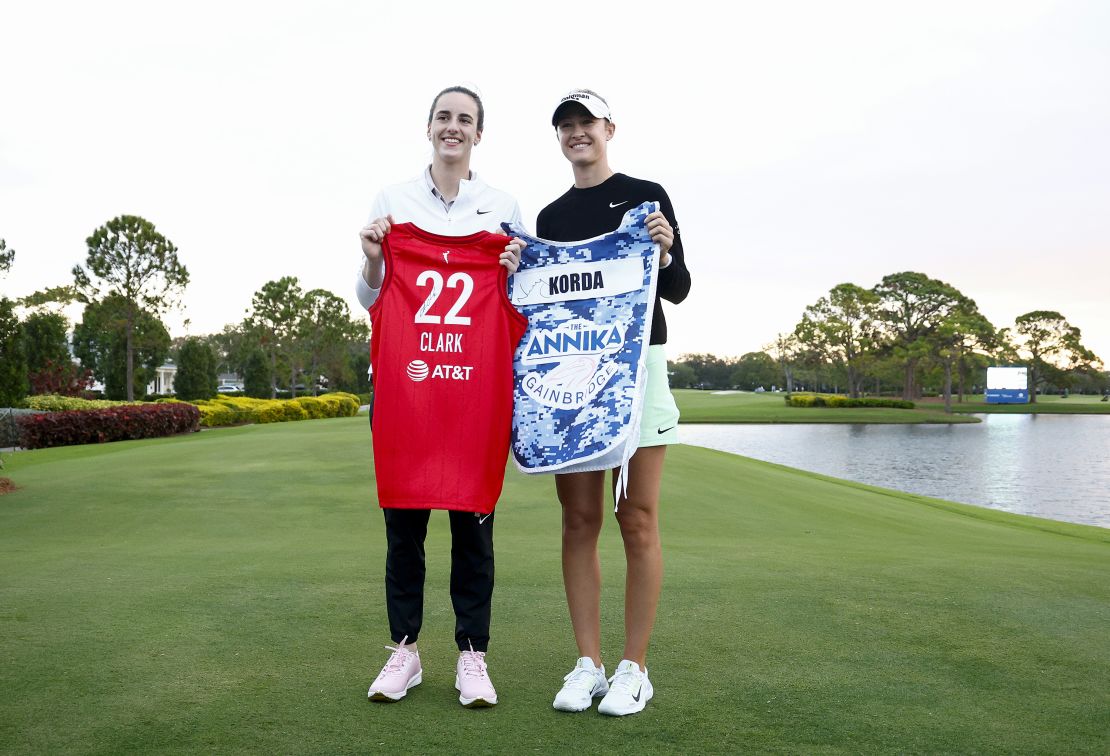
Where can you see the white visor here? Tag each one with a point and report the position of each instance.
(591, 102)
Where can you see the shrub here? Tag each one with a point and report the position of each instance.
(292, 411)
(272, 412)
(834, 400)
(341, 404)
(119, 423)
(313, 407)
(233, 410)
(216, 415)
(10, 433)
(55, 403)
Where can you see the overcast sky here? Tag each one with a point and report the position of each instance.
(803, 145)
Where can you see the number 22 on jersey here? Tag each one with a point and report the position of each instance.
(433, 278)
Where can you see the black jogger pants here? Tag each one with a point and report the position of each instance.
(471, 574)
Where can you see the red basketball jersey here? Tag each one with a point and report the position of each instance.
(442, 351)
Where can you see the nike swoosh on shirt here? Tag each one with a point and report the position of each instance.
(617, 204)
(483, 212)
(661, 431)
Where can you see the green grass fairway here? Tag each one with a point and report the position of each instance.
(222, 593)
(1076, 404)
(747, 407)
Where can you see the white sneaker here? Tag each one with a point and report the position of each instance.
(629, 691)
(584, 683)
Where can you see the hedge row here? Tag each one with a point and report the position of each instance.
(119, 423)
(55, 403)
(10, 434)
(236, 410)
(825, 400)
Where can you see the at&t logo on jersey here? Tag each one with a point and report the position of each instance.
(419, 371)
(577, 349)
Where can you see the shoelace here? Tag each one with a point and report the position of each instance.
(399, 656)
(473, 663)
(580, 677)
(626, 681)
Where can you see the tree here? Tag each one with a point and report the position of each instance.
(7, 257)
(681, 375)
(100, 342)
(132, 261)
(843, 328)
(257, 377)
(358, 358)
(754, 370)
(45, 339)
(196, 371)
(13, 359)
(50, 369)
(63, 378)
(785, 350)
(54, 295)
(912, 306)
(963, 331)
(325, 332)
(234, 345)
(712, 372)
(275, 311)
(1052, 346)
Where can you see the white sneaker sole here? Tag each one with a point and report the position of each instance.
(381, 695)
(574, 706)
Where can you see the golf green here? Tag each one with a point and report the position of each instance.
(222, 592)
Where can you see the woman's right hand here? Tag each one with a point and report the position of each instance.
(373, 271)
(372, 236)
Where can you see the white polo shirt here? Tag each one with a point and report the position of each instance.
(478, 207)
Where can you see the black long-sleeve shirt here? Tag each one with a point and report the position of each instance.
(585, 213)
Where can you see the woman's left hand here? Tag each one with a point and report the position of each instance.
(661, 233)
(510, 258)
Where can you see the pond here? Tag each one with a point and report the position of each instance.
(1054, 466)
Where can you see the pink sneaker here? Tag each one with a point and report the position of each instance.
(400, 673)
(472, 682)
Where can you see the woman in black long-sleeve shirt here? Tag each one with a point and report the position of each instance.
(595, 206)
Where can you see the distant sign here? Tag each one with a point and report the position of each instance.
(1007, 385)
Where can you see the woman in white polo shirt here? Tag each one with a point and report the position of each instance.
(446, 198)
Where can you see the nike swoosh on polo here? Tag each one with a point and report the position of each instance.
(617, 204)
(483, 212)
(661, 431)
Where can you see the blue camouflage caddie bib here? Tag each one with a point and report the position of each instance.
(579, 372)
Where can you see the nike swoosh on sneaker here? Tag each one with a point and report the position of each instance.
(483, 212)
(661, 431)
(617, 204)
(639, 690)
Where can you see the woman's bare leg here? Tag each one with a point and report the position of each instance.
(638, 516)
(582, 496)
